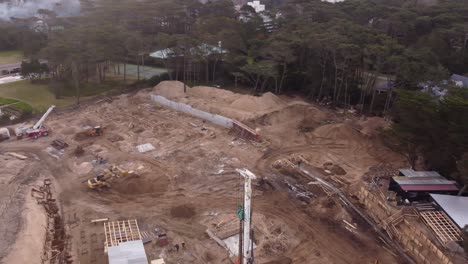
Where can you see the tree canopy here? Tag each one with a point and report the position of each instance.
(368, 54)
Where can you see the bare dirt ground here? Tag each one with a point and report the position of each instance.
(188, 183)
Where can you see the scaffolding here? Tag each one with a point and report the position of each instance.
(444, 228)
(121, 231)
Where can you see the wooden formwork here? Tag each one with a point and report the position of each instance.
(244, 131)
(444, 229)
(121, 231)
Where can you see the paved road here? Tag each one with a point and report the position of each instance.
(10, 79)
(10, 66)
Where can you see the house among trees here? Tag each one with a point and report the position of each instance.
(198, 60)
(416, 185)
(460, 80)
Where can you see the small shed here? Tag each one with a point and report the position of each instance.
(416, 185)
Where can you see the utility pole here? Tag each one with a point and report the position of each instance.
(247, 244)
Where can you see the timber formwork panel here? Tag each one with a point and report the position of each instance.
(442, 226)
(244, 131)
(121, 231)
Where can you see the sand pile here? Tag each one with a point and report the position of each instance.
(339, 132)
(371, 126)
(257, 104)
(211, 92)
(293, 116)
(170, 89)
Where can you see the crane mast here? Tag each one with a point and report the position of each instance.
(43, 118)
(247, 244)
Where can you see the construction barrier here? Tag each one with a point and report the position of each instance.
(216, 119)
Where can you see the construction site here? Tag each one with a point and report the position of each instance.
(178, 174)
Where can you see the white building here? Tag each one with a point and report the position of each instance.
(257, 6)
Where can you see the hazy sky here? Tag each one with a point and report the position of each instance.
(30, 7)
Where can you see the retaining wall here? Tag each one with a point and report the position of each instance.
(217, 119)
(420, 247)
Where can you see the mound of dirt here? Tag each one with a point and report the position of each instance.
(338, 132)
(183, 211)
(141, 185)
(114, 138)
(170, 89)
(370, 127)
(335, 169)
(80, 136)
(257, 104)
(68, 131)
(212, 92)
(297, 115)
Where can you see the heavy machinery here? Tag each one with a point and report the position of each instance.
(59, 144)
(102, 179)
(37, 130)
(94, 132)
(89, 132)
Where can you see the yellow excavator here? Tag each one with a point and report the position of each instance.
(102, 179)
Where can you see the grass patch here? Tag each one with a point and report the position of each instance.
(10, 56)
(38, 96)
(6, 101)
(22, 107)
(91, 89)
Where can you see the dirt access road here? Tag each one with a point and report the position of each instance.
(187, 185)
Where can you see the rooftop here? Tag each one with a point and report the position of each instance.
(429, 187)
(456, 207)
(460, 80)
(202, 49)
(423, 181)
(131, 252)
(119, 232)
(412, 173)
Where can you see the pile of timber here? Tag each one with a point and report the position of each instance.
(56, 246)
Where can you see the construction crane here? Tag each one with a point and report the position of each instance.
(37, 130)
(39, 123)
(247, 242)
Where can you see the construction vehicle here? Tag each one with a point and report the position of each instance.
(102, 180)
(94, 132)
(88, 132)
(37, 130)
(59, 144)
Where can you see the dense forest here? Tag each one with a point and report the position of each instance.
(334, 54)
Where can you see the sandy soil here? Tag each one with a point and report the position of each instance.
(188, 184)
(28, 247)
